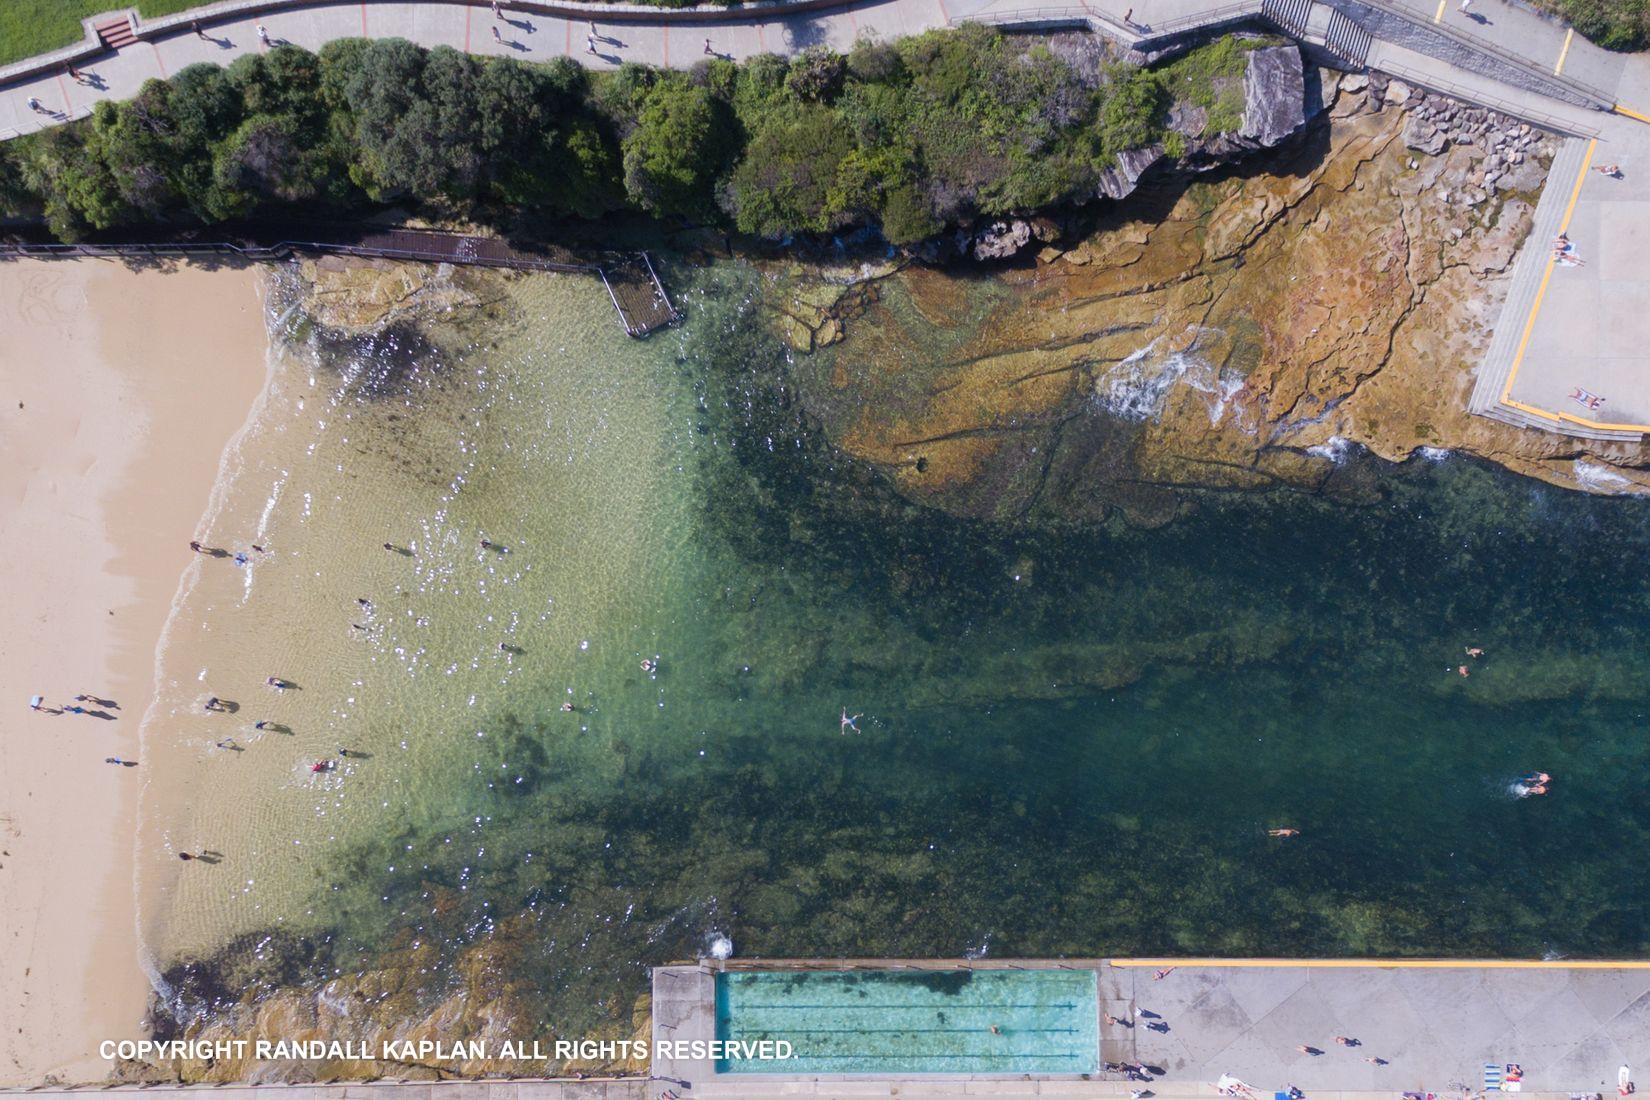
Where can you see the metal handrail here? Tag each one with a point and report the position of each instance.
(1494, 103)
(1424, 20)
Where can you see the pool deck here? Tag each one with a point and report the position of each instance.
(1433, 1024)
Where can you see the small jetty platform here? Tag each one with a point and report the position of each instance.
(632, 283)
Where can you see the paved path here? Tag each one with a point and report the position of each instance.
(1565, 330)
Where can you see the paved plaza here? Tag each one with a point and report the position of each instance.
(1433, 1027)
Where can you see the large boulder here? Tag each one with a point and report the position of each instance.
(1001, 240)
(1274, 95)
(1120, 180)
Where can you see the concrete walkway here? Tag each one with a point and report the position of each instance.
(1428, 1025)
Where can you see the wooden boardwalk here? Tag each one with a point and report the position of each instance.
(632, 283)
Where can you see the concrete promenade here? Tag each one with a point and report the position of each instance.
(1572, 346)
(1428, 1025)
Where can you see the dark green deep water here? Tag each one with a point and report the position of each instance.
(1074, 739)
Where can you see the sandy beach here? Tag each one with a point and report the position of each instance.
(119, 392)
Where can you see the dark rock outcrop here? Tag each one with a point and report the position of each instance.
(1274, 92)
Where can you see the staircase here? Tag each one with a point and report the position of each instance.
(1347, 39)
(115, 34)
(1291, 16)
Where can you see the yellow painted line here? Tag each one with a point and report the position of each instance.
(1409, 964)
(1573, 419)
(1630, 113)
(1541, 291)
(1565, 52)
(1438, 16)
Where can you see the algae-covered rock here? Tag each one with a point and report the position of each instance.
(1242, 333)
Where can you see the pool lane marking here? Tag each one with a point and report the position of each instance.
(1546, 276)
(1410, 964)
(1565, 52)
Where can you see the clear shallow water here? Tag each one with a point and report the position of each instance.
(1046, 1021)
(1072, 740)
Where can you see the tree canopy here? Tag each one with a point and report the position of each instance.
(910, 135)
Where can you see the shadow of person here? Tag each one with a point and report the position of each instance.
(354, 754)
(103, 714)
(210, 855)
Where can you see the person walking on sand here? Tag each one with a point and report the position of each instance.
(277, 683)
(186, 855)
(1345, 1041)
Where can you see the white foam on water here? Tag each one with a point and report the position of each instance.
(1434, 454)
(1336, 449)
(1601, 479)
(1138, 386)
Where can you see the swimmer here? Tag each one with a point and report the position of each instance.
(1283, 832)
(1474, 651)
(848, 723)
(1463, 670)
(567, 707)
(648, 665)
(1536, 779)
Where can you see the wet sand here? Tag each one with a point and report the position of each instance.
(119, 392)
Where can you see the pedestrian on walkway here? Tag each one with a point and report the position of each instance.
(34, 104)
(590, 44)
(498, 12)
(263, 34)
(497, 37)
(707, 47)
(1466, 7)
(1128, 17)
(195, 25)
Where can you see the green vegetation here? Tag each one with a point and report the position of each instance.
(29, 27)
(1613, 24)
(927, 131)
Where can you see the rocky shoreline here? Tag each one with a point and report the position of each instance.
(1241, 331)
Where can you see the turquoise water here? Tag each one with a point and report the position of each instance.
(1073, 736)
(1045, 1021)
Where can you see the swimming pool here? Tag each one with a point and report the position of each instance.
(937, 1021)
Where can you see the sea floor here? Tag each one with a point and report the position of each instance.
(822, 720)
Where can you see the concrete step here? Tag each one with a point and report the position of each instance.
(116, 33)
